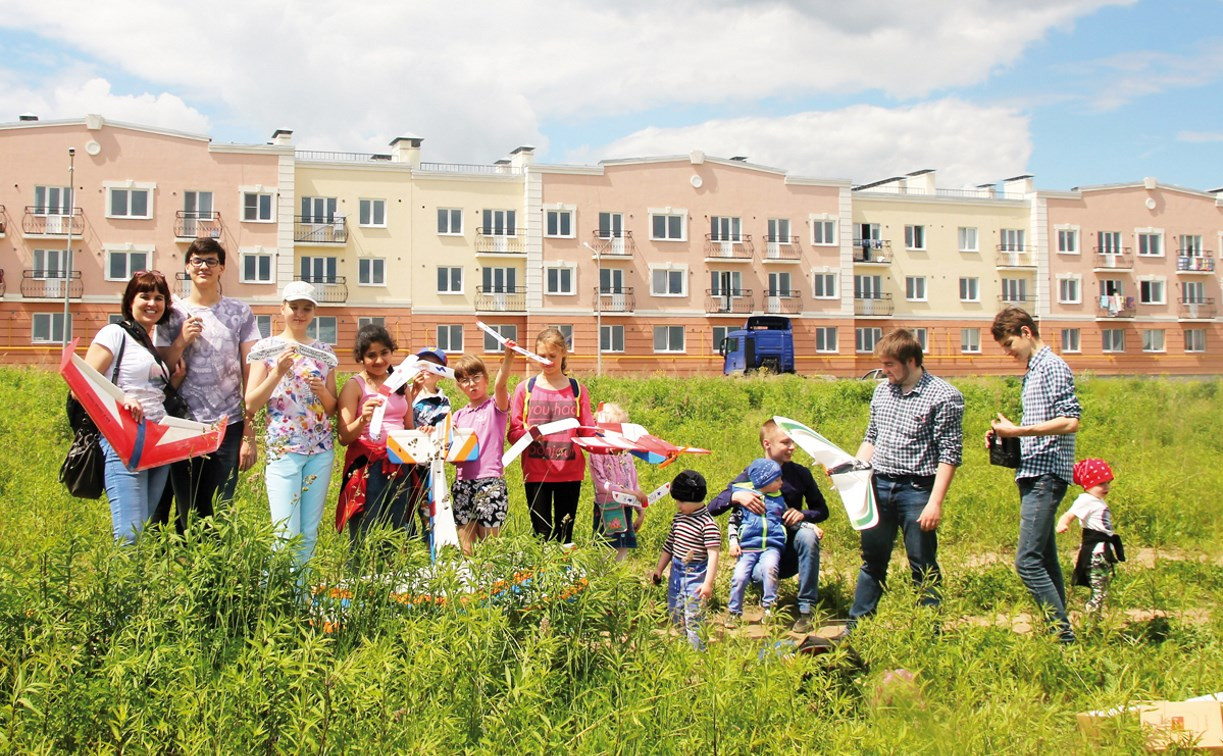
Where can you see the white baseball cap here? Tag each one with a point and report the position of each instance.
(297, 291)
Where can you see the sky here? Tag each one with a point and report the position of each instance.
(1076, 92)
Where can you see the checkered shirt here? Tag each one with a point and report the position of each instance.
(916, 431)
(1048, 393)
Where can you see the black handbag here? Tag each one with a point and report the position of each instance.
(1003, 452)
(176, 405)
(84, 469)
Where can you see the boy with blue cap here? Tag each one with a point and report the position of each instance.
(757, 539)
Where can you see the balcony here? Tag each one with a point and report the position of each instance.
(782, 302)
(879, 305)
(737, 301)
(1196, 261)
(3, 286)
(3, 222)
(501, 299)
(1114, 259)
(873, 252)
(183, 282)
(615, 300)
(1025, 301)
(499, 241)
(1201, 308)
(782, 249)
(740, 249)
(309, 229)
(328, 289)
(189, 224)
(38, 222)
(1013, 256)
(613, 243)
(1116, 306)
(51, 284)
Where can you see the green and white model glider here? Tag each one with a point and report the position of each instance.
(850, 475)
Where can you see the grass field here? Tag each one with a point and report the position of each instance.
(187, 645)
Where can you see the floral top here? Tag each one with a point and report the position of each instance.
(297, 423)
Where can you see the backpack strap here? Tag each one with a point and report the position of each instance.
(574, 386)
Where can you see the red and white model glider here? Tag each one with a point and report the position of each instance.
(608, 438)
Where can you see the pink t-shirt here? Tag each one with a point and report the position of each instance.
(489, 424)
(392, 418)
(554, 459)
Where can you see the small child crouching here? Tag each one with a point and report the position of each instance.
(691, 550)
(1101, 547)
(758, 539)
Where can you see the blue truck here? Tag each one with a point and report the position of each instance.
(764, 343)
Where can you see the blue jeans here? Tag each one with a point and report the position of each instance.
(297, 492)
(801, 557)
(900, 501)
(1036, 555)
(755, 567)
(683, 603)
(133, 495)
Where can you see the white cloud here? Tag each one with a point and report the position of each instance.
(71, 96)
(1117, 80)
(1199, 136)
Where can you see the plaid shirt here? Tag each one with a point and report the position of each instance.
(913, 433)
(1048, 393)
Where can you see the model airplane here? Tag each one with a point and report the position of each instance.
(275, 347)
(850, 475)
(503, 341)
(608, 438)
(140, 444)
(629, 500)
(399, 377)
(535, 433)
(444, 444)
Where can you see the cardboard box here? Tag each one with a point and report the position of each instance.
(1196, 723)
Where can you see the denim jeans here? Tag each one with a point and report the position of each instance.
(1036, 555)
(755, 567)
(683, 603)
(801, 557)
(900, 501)
(198, 480)
(386, 502)
(133, 495)
(297, 492)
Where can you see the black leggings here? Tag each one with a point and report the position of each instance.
(553, 508)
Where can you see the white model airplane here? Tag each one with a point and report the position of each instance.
(275, 346)
(850, 475)
(503, 341)
(399, 377)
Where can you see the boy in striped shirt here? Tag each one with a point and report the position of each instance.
(691, 549)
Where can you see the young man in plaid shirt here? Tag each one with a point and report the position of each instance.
(1046, 442)
(914, 442)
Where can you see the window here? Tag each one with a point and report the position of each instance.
(1110, 242)
(1151, 292)
(866, 338)
(779, 285)
(500, 280)
(968, 239)
(725, 283)
(257, 207)
(323, 328)
(450, 338)
(826, 339)
(1015, 290)
(1112, 340)
(567, 332)
(824, 285)
(779, 230)
(1011, 240)
(560, 280)
(1070, 340)
(1191, 246)
(611, 338)
(117, 319)
(667, 227)
(319, 269)
(449, 280)
(48, 328)
(450, 221)
(611, 281)
(723, 228)
(1193, 292)
(719, 335)
(371, 271)
(1151, 243)
(611, 225)
(668, 338)
(970, 290)
(364, 321)
(264, 324)
(667, 282)
(1069, 290)
(196, 206)
(372, 212)
(558, 223)
(257, 267)
(50, 263)
(920, 335)
(970, 340)
(915, 237)
(499, 223)
(1195, 340)
(1112, 287)
(1153, 340)
(121, 264)
(129, 202)
(1067, 241)
(318, 210)
(52, 200)
(506, 331)
(824, 232)
(915, 288)
(868, 287)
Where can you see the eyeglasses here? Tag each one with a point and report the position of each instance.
(203, 262)
(469, 380)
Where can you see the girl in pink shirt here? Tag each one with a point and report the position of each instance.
(481, 501)
(611, 474)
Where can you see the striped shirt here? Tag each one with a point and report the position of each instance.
(914, 432)
(692, 536)
(1048, 393)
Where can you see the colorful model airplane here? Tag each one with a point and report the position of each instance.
(399, 377)
(275, 346)
(140, 444)
(535, 433)
(503, 341)
(607, 438)
(850, 475)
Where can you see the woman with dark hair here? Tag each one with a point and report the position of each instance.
(125, 350)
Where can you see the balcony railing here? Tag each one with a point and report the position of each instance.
(3, 285)
(1013, 256)
(328, 289)
(782, 302)
(1198, 262)
(880, 304)
(1114, 259)
(183, 282)
(616, 299)
(38, 222)
(50, 284)
(782, 248)
(728, 301)
(3, 222)
(1201, 308)
(1116, 306)
(497, 241)
(873, 251)
(613, 243)
(189, 224)
(308, 229)
(1026, 301)
(729, 249)
(501, 299)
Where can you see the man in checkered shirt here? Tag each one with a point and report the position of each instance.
(914, 442)
(1046, 442)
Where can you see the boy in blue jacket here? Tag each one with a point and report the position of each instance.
(757, 540)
